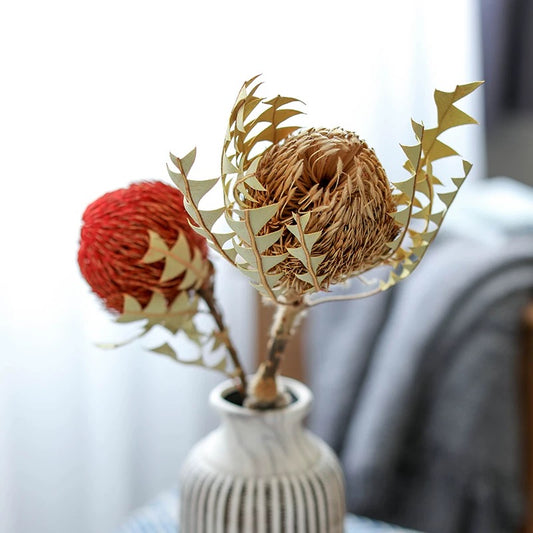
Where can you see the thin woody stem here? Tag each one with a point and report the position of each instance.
(285, 321)
(207, 294)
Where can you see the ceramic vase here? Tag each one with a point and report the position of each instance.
(262, 472)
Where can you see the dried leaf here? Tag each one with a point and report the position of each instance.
(259, 217)
(264, 242)
(166, 349)
(199, 188)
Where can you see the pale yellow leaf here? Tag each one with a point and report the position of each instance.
(222, 238)
(166, 349)
(455, 117)
(412, 153)
(177, 259)
(304, 219)
(239, 227)
(199, 188)
(157, 305)
(273, 279)
(316, 260)
(250, 273)
(311, 238)
(264, 242)
(270, 261)
(401, 217)
(260, 216)
(447, 197)
(210, 217)
(246, 253)
(177, 178)
(407, 187)
(439, 150)
(418, 129)
(423, 213)
(275, 115)
(131, 305)
(299, 253)
(157, 248)
(189, 280)
(227, 166)
(254, 183)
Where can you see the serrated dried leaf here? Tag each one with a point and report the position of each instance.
(407, 187)
(423, 213)
(246, 253)
(222, 238)
(299, 253)
(259, 217)
(211, 216)
(447, 197)
(166, 349)
(227, 166)
(177, 178)
(157, 248)
(254, 183)
(274, 115)
(188, 161)
(441, 150)
(264, 242)
(250, 273)
(316, 260)
(239, 227)
(270, 261)
(412, 153)
(418, 129)
(132, 310)
(157, 306)
(402, 217)
(199, 188)
(177, 259)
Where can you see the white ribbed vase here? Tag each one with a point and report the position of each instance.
(262, 472)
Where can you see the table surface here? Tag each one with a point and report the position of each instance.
(161, 516)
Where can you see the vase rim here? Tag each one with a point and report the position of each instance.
(301, 392)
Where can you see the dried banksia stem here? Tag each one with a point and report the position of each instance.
(335, 177)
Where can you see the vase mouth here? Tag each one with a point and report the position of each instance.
(301, 393)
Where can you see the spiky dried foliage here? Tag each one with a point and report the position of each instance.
(309, 208)
(332, 175)
(141, 257)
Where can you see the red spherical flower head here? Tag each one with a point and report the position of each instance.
(114, 239)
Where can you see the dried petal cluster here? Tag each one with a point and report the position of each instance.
(115, 240)
(335, 177)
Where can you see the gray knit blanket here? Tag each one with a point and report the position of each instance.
(417, 389)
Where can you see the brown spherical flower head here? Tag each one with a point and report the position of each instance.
(114, 239)
(333, 175)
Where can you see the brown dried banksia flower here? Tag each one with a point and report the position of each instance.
(338, 180)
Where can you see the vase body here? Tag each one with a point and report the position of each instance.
(262, 472)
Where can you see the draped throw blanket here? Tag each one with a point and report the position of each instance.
(417, 389)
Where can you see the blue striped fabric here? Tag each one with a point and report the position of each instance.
(161, 516)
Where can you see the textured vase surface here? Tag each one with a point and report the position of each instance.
(262, 472)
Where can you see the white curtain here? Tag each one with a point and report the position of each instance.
(94, 95)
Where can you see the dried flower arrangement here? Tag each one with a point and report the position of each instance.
(299, 211)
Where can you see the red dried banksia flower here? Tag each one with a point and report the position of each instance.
(115, 239)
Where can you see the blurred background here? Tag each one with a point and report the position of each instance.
(94, 96)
